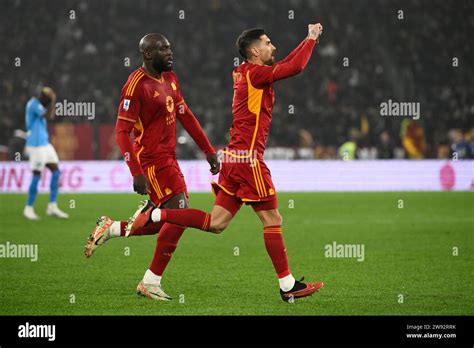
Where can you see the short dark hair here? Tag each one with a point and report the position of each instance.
(246, 39)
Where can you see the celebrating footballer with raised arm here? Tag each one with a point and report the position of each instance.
(245, 177)
(150, 103)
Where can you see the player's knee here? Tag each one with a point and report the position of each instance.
(273, 220)
(217, 227)
(280, 219)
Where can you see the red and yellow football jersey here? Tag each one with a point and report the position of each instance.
(252, 110)
(254, 98)
(248, 178)
(151, 105)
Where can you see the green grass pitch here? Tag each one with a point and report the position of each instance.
(408, 258)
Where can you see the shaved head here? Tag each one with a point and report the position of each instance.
(150, 41)
(156, 51)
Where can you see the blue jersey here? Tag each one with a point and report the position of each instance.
(37, 131)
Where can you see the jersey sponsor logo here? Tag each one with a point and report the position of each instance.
(169, 104)
(126, 104)
(169, 119)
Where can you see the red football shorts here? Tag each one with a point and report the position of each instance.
(165, 182)
(247, 182)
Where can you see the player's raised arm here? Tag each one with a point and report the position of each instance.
(294, 52)
(298, 59)
(256, 48)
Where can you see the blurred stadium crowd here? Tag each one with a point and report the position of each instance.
(370, 53)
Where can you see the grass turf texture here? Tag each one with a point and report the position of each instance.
(408, 252)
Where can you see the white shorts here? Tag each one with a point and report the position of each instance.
(41, 155)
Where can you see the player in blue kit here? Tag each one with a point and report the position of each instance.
(41, 153)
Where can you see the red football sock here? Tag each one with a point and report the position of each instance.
(276, 249)
(165, 246)
(152, 228)
(123, 225)
(187, 217)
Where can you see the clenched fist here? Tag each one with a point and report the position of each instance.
(315, 31)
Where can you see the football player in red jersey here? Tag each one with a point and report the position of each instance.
(244, 177)
(150, 103)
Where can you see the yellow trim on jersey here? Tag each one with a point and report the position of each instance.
(139, 126)
(135, 84)
(132, 83)
(254, 104)
(139, 153)
(126, 119)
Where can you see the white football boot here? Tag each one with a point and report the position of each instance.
(99, 235)
(53, 210)
(29, 213)
(153, 291)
